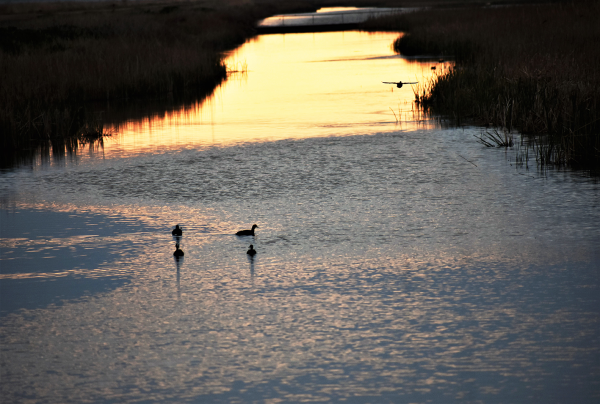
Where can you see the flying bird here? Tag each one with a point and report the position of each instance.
(398, 84)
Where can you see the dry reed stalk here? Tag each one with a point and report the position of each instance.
(532, 68)
(59, 56)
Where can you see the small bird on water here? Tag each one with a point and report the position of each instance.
(176, 231)
(247, 232)
(251, 251)
(178, 252)
(398, 84)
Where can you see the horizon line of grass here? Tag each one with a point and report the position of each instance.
(55, 58)
(533, 68)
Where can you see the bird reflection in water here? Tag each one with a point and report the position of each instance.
(178, 257)
(251, 253)
(178, 262)
(178, 252)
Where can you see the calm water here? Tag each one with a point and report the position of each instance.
(397, 261)
(331, 16)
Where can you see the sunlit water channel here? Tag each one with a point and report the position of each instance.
(397, 261)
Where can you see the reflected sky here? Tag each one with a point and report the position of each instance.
(291, 86)
(329, 15)
(388, 269)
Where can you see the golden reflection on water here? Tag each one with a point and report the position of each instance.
(292, 86)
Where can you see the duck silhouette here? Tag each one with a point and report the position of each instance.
(251, 251)
(176, 231)
(398, 84)
(178, 252)
(247, 232)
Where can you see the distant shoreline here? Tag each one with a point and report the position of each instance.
(59, 56)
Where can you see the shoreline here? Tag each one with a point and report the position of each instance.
(527, 68)
(56, 58)
(62, 56)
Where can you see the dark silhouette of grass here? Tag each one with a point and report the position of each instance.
(533, 68)
(496, 139)
(55, 58)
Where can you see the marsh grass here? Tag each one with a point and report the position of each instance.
(57, 58)
(494, 138)
(531, 68)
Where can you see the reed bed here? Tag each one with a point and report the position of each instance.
(531, 68)
(56, 58)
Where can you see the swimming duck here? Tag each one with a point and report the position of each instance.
(178, 252)
(176, 231)
(247, 232)
(398, 84)
(251, 251)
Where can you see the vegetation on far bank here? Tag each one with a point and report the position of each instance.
(58, 57)
(55, 57)
(533, 68)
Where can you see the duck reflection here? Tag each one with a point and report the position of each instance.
(250, 255)
(178, 251)
(178, 262)
(178, 257)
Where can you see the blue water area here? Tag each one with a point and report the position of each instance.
(394, 265)
(33, 294)
(54, 256)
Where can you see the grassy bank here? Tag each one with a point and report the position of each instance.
(533, 68)
(527, 68)
(56, 57)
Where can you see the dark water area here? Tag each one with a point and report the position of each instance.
(46, 243)
(397, 261)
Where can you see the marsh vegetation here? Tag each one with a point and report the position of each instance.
(531, 68)
(55, 58)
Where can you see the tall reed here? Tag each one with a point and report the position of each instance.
(55, 58)
(533, 68)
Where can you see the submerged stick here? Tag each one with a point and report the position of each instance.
(468, 160)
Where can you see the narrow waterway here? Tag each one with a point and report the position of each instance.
(397, 261)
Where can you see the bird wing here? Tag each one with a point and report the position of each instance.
(414, 82)
(389, 82)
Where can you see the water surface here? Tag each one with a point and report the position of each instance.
(397, 261)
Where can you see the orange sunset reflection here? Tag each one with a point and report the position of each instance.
(291, 86)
